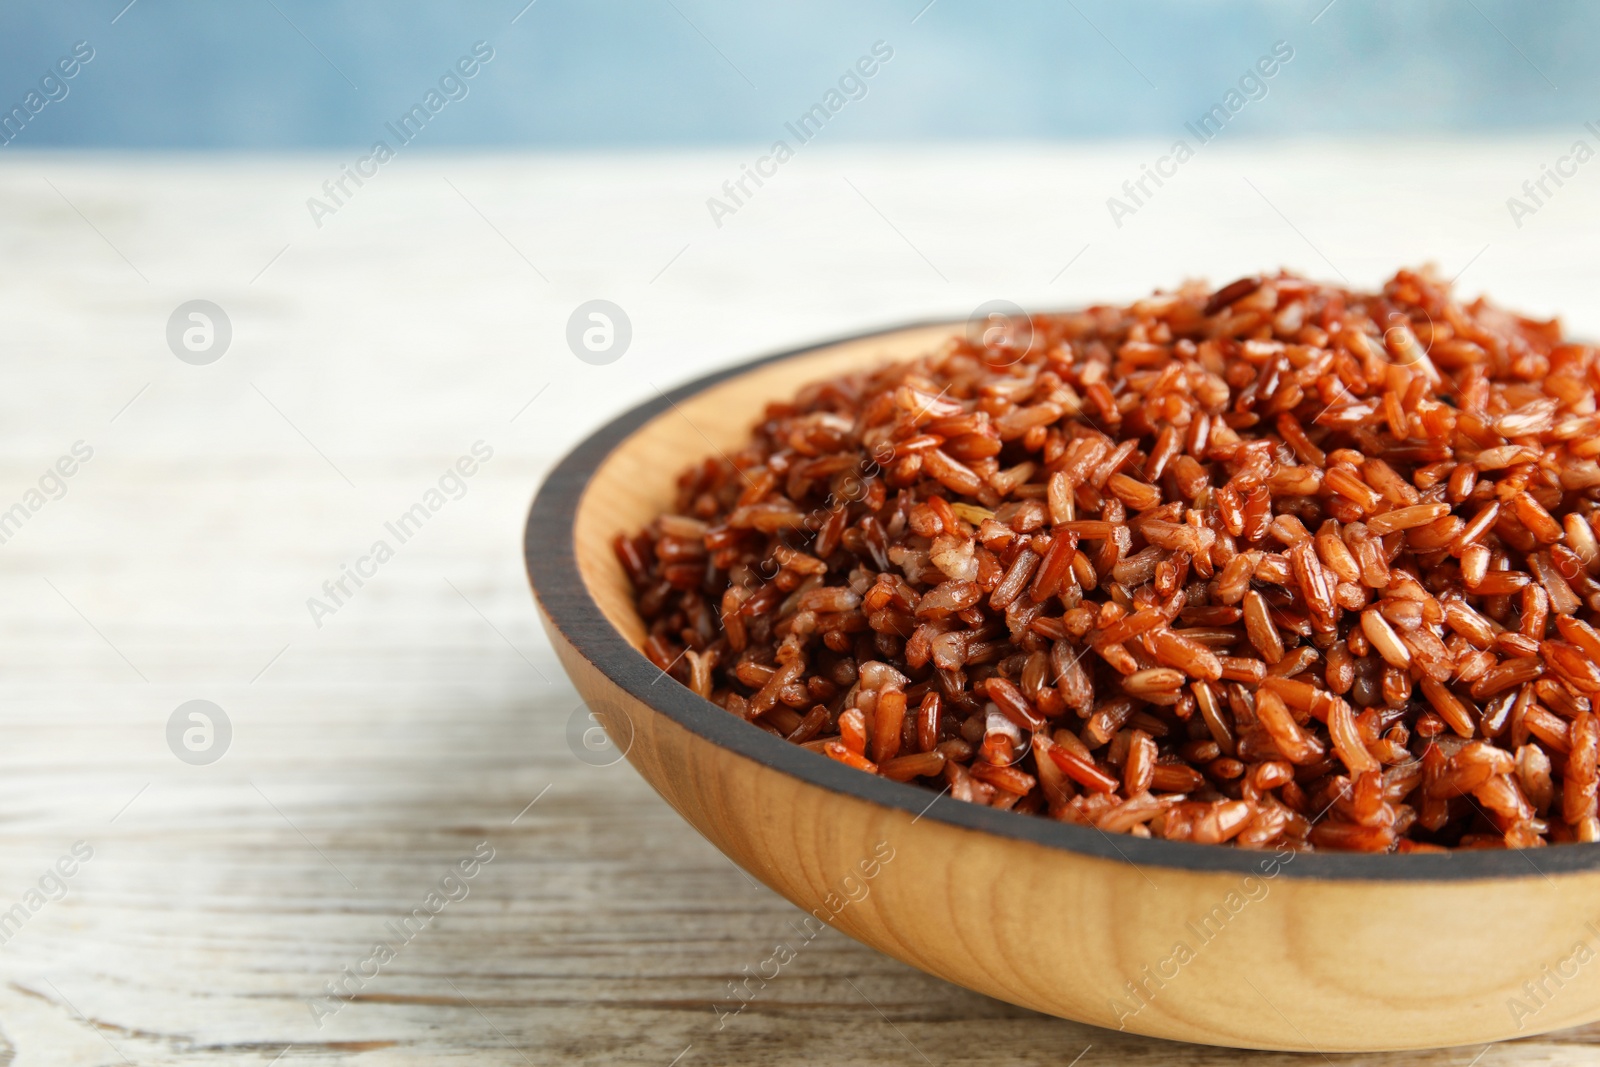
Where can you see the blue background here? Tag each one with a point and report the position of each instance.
(286, 74)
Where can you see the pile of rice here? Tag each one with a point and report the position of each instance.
(1282, 565)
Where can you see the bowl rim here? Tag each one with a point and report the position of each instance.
(549, 551)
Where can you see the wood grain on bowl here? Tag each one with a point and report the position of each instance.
(1200, 943)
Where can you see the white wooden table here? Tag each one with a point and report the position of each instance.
(423, 717)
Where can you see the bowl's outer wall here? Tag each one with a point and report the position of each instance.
(1254, 955)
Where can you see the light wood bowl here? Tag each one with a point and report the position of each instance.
(1317, 952)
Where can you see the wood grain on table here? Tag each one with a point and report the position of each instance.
(425, 722)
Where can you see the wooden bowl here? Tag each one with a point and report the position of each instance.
(1316, 952)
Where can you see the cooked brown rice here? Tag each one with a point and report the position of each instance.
(1277, 565)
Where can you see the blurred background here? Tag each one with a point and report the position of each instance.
(393, 220)
(308, 74)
